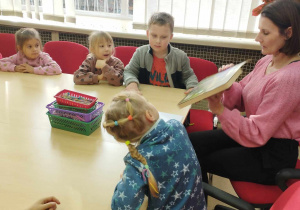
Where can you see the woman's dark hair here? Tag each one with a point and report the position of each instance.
(284, 14)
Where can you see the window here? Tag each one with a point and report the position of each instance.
(204, 17)
(119, 8)
(231, 18)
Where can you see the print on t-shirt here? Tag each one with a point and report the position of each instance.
(158, 75)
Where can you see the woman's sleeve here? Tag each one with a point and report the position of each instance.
(280, 100)
(232, 98)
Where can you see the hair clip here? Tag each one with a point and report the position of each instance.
(256, 11)
(116, 123)
(126, 99)
(129, 117)
(127, 142)
(145, 173)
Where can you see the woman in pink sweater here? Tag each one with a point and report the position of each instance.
(30, 58)
(254, 148)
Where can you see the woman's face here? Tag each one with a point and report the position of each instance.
(269, 37)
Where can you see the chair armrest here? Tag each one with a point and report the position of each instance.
(286, 174)
(226, 197)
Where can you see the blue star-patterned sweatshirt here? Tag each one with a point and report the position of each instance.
(173, 162)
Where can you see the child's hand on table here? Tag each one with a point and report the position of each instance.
(25, 68)
(19, 68)
(133, 87)
(48, 203)
(189, 90)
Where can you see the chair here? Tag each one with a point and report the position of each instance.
(289, 199)
(201, 120)
(7, 44)
(68, 55)
(124, 53)
(253, 195)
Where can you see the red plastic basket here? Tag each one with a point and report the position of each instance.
(63, 101)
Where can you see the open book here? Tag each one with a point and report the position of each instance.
(212, 85)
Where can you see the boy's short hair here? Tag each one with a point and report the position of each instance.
(161, 18)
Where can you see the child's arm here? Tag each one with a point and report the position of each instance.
(189, 78)
(48, 66)
(9, 64)
(113, 71)
(131, 71)
(130, 190)
(87, 74)
(45, 203)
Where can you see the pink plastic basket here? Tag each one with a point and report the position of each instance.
(75, 99)
(79, 116)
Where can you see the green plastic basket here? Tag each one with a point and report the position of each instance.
(73, 108)
(80, 127)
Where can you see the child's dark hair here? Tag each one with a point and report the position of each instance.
(161, 18)
(125, 120)
(25, 34)
(284, 14)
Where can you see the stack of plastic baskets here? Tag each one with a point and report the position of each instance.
(75, 112)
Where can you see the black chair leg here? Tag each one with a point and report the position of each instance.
(220, 207)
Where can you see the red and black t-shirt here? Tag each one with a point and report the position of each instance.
(158, 75)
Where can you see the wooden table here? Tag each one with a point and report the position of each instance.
(37, 160)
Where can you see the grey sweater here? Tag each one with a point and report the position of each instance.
(179, 72)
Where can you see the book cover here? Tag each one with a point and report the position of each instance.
(212, 84)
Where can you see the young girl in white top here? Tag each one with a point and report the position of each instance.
(30, 58)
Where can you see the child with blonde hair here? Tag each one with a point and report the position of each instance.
(30, 58)
(100, 64)
(161, 162)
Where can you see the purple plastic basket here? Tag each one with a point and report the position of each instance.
(85, 117)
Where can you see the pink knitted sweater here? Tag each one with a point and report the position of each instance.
(271, 103)
(43, 64)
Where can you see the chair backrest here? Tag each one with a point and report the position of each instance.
(7, 44)
(202, 68)
(125, 53)
(289, 199)
(68, 55)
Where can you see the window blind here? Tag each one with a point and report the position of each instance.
(231, 18)
(56, 10)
